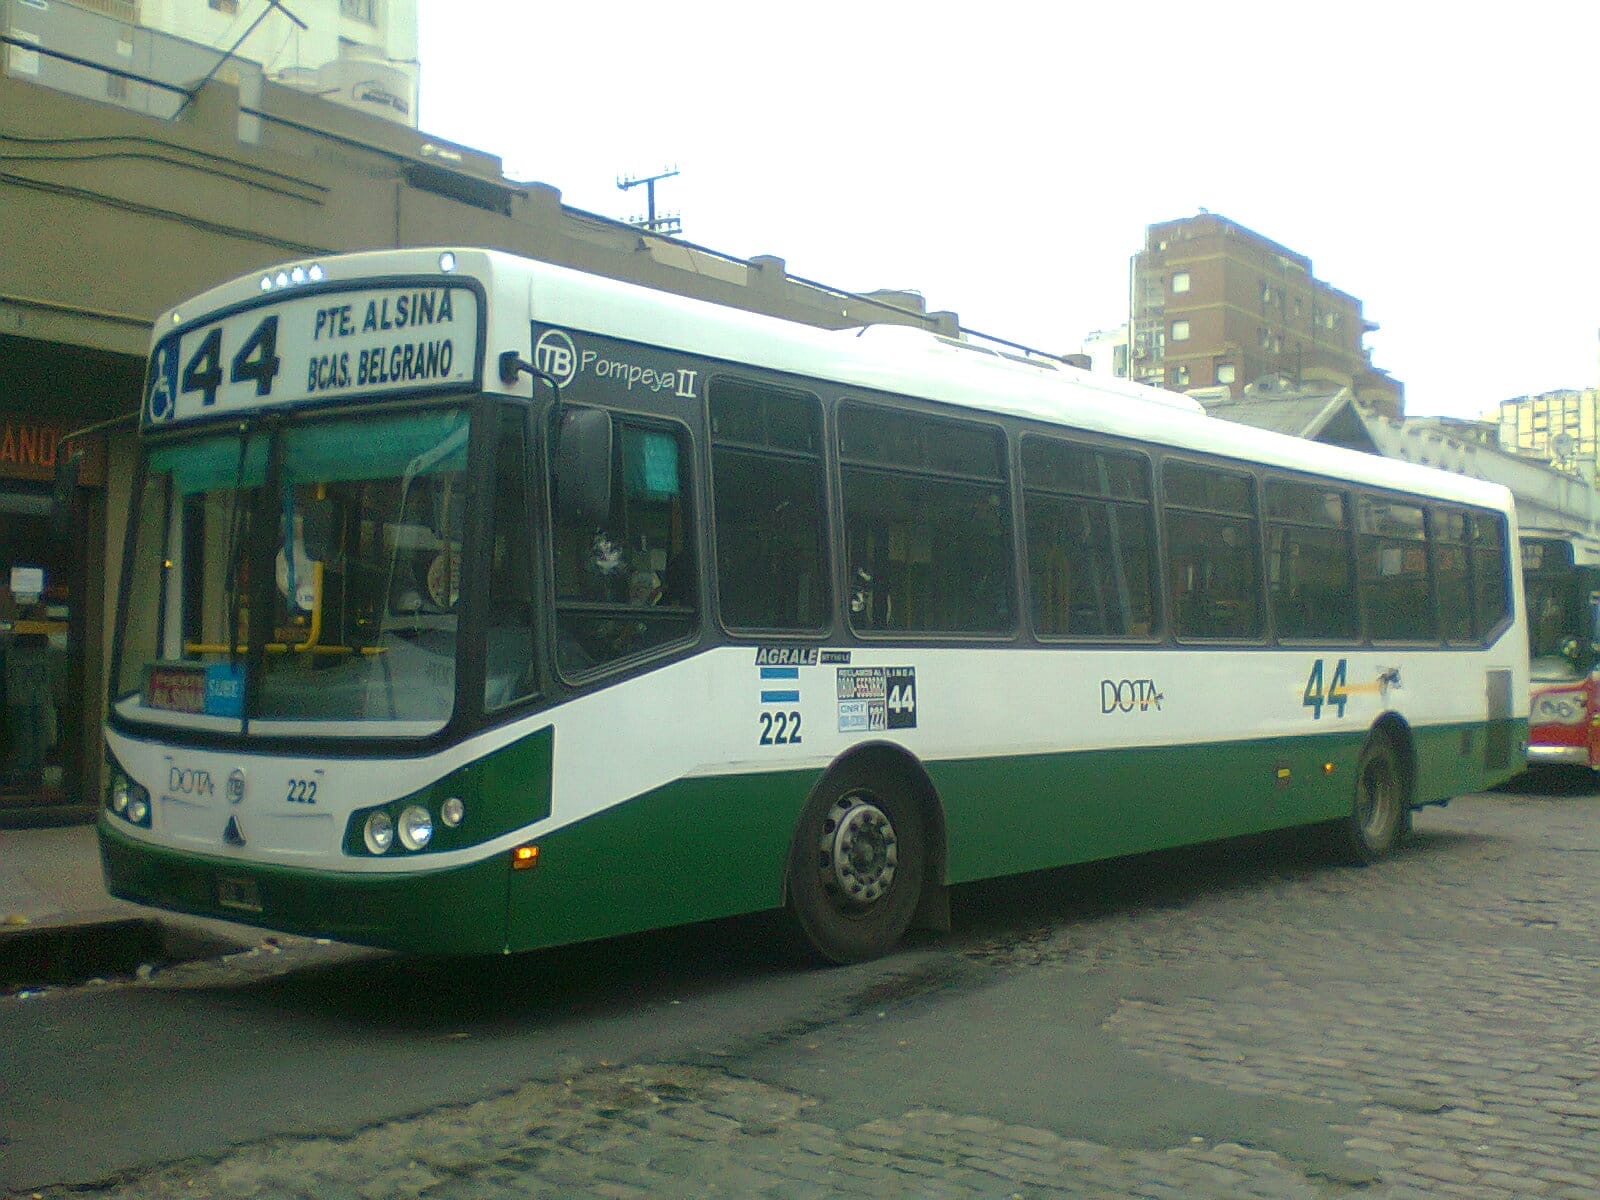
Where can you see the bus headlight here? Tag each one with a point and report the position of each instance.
(379, 832)
(127, 799)
(416, 827)
(452, 812)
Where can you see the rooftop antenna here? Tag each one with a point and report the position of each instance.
(667, 223)
(272, 6)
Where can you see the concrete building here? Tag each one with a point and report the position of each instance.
(359, 53)
(1562, 427)
(1107, 350)
(128, 188)
(1215, 304)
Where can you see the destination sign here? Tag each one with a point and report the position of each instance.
(329, 346)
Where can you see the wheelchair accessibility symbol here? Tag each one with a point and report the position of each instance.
(161, 389)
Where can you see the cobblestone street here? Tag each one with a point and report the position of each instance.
(1422, 1028)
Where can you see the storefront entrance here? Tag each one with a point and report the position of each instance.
(41, 665)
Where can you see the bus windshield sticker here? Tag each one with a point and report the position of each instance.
(877, 698)
(374, 341)
(224, 690)
(175, 687)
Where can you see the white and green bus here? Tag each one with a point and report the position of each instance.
(473, 604)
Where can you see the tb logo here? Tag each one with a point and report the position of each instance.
(555, 355)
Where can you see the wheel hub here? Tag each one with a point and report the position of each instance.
(858, 850)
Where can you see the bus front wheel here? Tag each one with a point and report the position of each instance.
(1381, 810)
(856, 866)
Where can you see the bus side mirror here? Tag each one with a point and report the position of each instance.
(64, 494)
(583, 467)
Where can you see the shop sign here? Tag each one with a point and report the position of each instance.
(28, 450)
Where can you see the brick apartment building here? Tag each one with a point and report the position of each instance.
(1217, 305)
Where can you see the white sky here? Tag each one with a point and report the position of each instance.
(1436, 161)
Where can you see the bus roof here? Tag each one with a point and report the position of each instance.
(893, 359)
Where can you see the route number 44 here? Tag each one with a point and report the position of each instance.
(1335, 696)
(256, 362)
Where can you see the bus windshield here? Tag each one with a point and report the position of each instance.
(301, 579)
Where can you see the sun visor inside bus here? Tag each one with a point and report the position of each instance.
(404, 447)
(650, 461)
(420, 444)
(211, 464)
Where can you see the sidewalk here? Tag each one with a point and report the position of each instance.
(56, 916)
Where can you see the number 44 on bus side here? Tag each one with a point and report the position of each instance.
(1336, 695)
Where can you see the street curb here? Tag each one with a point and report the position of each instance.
(63, 954)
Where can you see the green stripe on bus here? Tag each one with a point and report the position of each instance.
(710, 847)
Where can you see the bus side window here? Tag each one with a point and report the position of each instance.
(628, 587)
(1089, 523)
(1310, 565)
(509, 675)
(1212, 539)
(766, 467)
(1392, 549)
(927, 523)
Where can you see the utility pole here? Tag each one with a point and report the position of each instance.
(667, 223)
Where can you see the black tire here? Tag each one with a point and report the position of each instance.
(856, 866)
(1380, 809)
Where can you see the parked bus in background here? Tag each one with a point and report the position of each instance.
(1561, 576)
(473, 604)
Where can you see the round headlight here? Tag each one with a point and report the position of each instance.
(452, 811)
(138, 809)
(379, 832)
(119, 795)
(416, 827)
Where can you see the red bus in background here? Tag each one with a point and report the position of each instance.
(1561, 575)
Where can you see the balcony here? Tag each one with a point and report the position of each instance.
(126, 11)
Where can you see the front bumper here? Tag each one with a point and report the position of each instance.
(1558, 756)
(460, 910)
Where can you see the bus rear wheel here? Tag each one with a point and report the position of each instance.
(856, 867)
(1380, 811)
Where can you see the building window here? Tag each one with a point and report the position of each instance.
(1227, 372)
(1180, 282)
(358, 10)
(225, 6)
(1180, 331)
(1180, 376)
